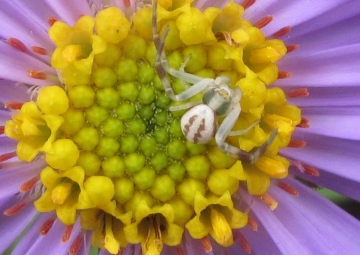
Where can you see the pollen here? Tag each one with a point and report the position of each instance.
(115, 153)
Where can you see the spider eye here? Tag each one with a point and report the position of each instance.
(217, 102)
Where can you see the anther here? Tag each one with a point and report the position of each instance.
(303, 92)
(180, 251)
(2, 129)
(51, 20)
(269, 201)
(39, 50)
(247, 3)
(304, 123)
(14, 105)
(281, 32)
(127, 3)
(37, 75)
(76, 245)
(288, 188)
(7, 156)
(46, 226)
(310, 170)
(296, 144)
(15, 208)
(206, 243)
(292, 47)
(252, 224)
(284, 75)
(17, 44)
(263, 22)
(67, 233)
(244, 243)
(28, 185)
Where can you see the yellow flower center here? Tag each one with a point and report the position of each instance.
(115, 152)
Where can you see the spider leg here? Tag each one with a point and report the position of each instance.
(243, 131)
(187, 105)
(225, 129)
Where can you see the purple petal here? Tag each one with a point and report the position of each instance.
(337, 156)
(322, 68)
(338, 122)
(15, 65)
(12, 226)
(317, 223)
(11, 178)
(10, 91)
(329, 96)
(288, 13)
(68, 10)
(17, 23)
(34, 243)
(342, 185)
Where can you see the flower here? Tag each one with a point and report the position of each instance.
(101, 153)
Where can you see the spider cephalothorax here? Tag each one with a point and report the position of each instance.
(199, 124)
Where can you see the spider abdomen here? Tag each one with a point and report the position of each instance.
(199, 124)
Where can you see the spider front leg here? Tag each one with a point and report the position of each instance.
(224, 131)
(162, 67)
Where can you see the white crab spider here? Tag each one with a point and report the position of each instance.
(199, 124)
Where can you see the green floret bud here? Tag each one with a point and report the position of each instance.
(206, 73)
(148, 145)
(107, 97)
(162, 101)
(126, 69)
(138, 196)
(113, 167)
(146, 112)
(144, 179)
(176, 172)
(161, 118)
(109, 57)
(195, 149)
(176, 149)
(163, 188)
(136, 127)
(113, 127)
(100, 189)
(159, 161)
(146, 73)
(87, 138)
(162, 135)
(157, 83)
(129, 143)
(188, 188)
(175, 60)
(107, 146)
(96, 115)
(90, 162)
(198, 167)
(183, 212)
(128, 90)
(220, 181)
(198, 58)
(150, 53)
(124, 189)
(81, 96)
(134, 162)
(104, 77)
(147, 94)
(177, 87)
(126, 111)
(134, 46)
(175, 129)
(74, 120)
